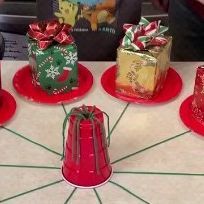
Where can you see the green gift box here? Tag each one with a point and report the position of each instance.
(54, 66)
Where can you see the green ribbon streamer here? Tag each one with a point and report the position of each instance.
(97, 195)
(159, 173)
(128, 191)
(32, 190)
(83, 113)
(70, 196)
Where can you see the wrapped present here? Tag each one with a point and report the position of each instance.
(52, 56)
(198, 98)
(86, 162)
(143, 60)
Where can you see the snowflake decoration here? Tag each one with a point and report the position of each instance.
(52, 72)
(71, 58)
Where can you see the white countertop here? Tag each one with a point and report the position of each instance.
(144, 128)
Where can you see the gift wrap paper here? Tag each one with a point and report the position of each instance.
(142, 73)
(198, 101)
(55, 68)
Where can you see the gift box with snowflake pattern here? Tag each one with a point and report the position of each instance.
(55, 68)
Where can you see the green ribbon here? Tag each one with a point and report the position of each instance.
(139, 37)
(83, 113)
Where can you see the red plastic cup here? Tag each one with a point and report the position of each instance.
(0, 88)
(89, 167)
(198, 97)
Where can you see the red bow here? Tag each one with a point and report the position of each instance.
(47, 32)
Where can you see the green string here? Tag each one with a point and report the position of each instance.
(31, 141)
(81, 114)
(158, 173)
(128, 191)
(147, 148)
(63, 135)
(108, 126)
(77, 141)
(97, 195)
(70, 196)
(95, 141)
(104, 139)
(65, 111)
(29, 167)
(72, 112)
(115, 125)
(30, 191)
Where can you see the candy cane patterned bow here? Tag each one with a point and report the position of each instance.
(139, 37)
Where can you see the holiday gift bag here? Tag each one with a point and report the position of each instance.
(52, 56)
(97, 24)
(198, 98)
(143, 60)
(86, 162)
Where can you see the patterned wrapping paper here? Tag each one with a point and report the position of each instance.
(198, 101)
(143, 61)
(142, 74)
(54, 66)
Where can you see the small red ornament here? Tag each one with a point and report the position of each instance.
(86, 163)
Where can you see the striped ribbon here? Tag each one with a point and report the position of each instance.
(139, 37)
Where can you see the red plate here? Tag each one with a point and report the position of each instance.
(7, 107)
(187, 117)
(22, 82)
(172, 87)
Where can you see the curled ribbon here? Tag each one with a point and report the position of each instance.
(48, 31)
(139, 37)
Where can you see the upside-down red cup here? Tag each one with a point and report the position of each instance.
(198, 97)
(1, 98)
(0, 88)
(92, 168)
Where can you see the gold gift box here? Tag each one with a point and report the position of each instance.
(142, 74)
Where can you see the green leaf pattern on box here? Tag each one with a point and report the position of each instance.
(54, 69)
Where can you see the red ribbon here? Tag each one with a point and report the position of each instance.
(139, 37)
(48, 31)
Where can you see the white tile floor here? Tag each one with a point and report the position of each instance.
(139, 128)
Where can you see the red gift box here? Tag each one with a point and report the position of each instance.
(86, 163)
(198, 100)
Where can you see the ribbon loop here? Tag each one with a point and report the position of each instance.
(139, 37)
(46, 32)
